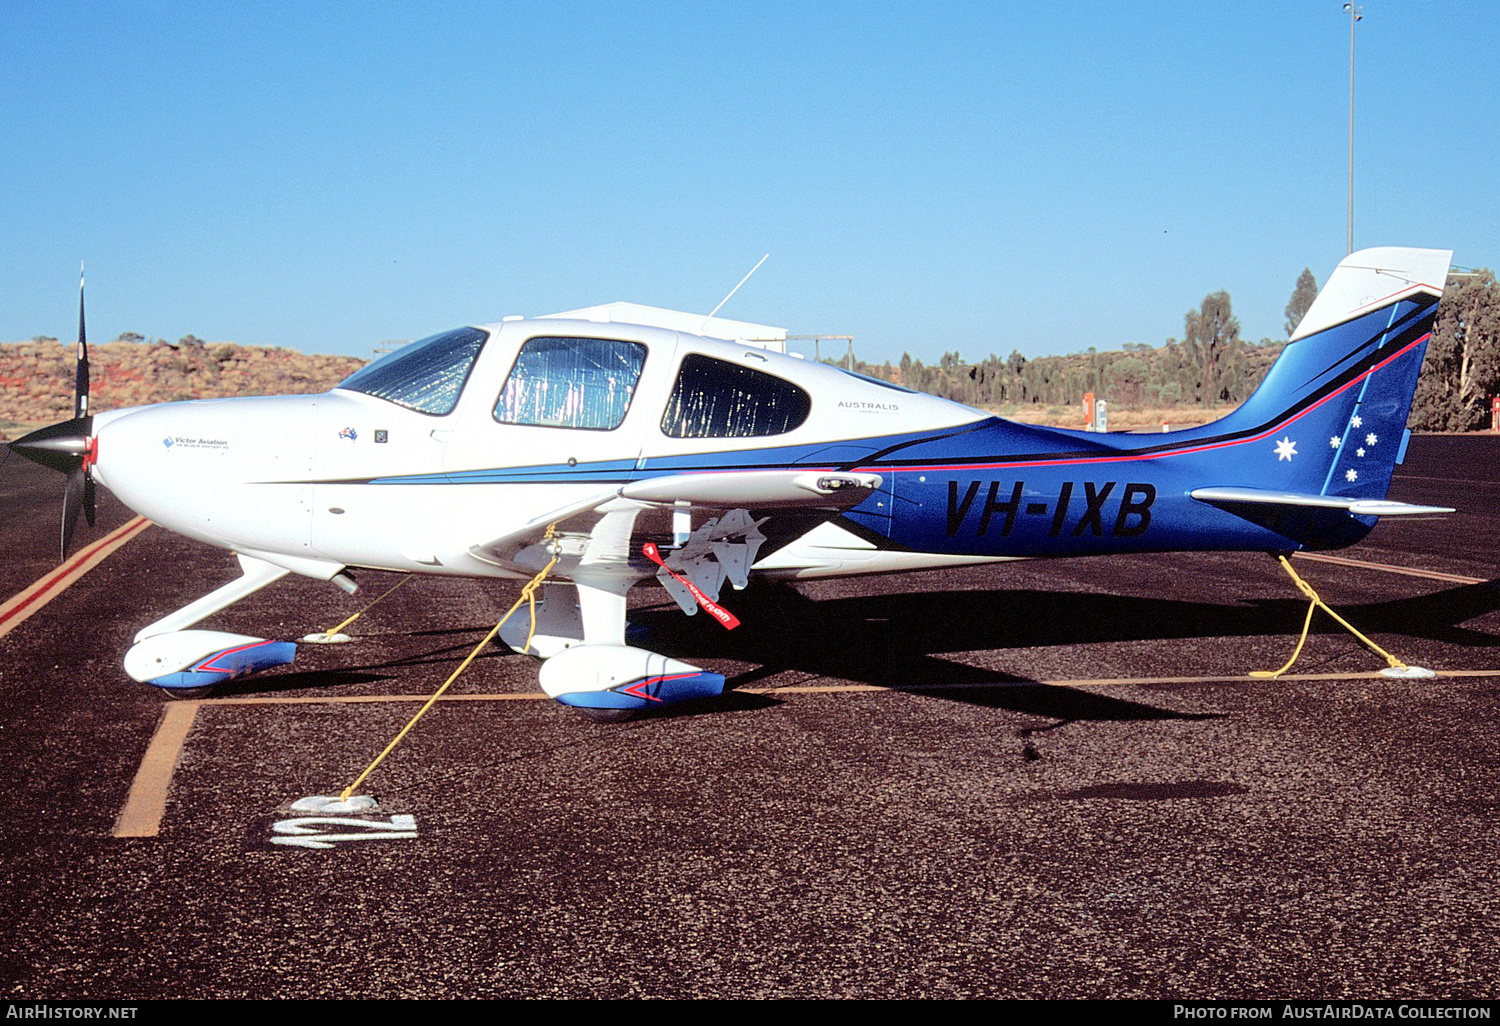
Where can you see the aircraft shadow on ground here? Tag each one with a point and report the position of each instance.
(365, 673)
(783, 627)
(897, 641)
(295, 680)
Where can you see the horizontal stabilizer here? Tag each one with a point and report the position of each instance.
(1358, 507)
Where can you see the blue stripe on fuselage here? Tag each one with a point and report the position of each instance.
(995, 487)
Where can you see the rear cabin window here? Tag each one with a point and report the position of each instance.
(584, 383)
(427, 376)
(717, 399)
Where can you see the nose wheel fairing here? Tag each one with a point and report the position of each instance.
(196, 659)
(168, 655)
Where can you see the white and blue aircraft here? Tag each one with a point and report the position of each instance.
(487, 451)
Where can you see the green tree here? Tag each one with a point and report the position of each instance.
(1302, 298)
(1127, 378)
(1212, 337)
(1462, 368)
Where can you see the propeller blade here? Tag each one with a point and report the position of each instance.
(68, 446)
(81, 377)
(73, 497)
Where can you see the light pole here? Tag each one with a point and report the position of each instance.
(1355, 14)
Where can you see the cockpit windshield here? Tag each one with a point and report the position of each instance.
(426, 376)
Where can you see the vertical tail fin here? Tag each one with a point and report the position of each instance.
(1335, 402)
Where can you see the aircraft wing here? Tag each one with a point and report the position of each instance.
(597, 535)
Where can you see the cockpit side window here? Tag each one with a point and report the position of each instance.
(584, 383)
(717, 399)
(427, 376)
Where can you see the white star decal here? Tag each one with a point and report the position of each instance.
(1285, 450)
(1371, 439)
(1351, 475)
(1360, 451)
(1334, 442)
(1355, 421)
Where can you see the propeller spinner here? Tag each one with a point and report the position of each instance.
(69, 447)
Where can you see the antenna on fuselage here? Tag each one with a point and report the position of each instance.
(733, 291)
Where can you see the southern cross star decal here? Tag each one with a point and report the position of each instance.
(1334, 442)
(1371, 439)
(1351, 475)
(1286, 449)
(1355, 421)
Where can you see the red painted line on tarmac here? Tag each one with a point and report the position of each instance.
(21, 605)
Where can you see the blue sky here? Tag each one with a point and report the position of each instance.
(926, 177)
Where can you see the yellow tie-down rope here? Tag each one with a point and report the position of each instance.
(330, 632)
(528, 595)
(1396, 667)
